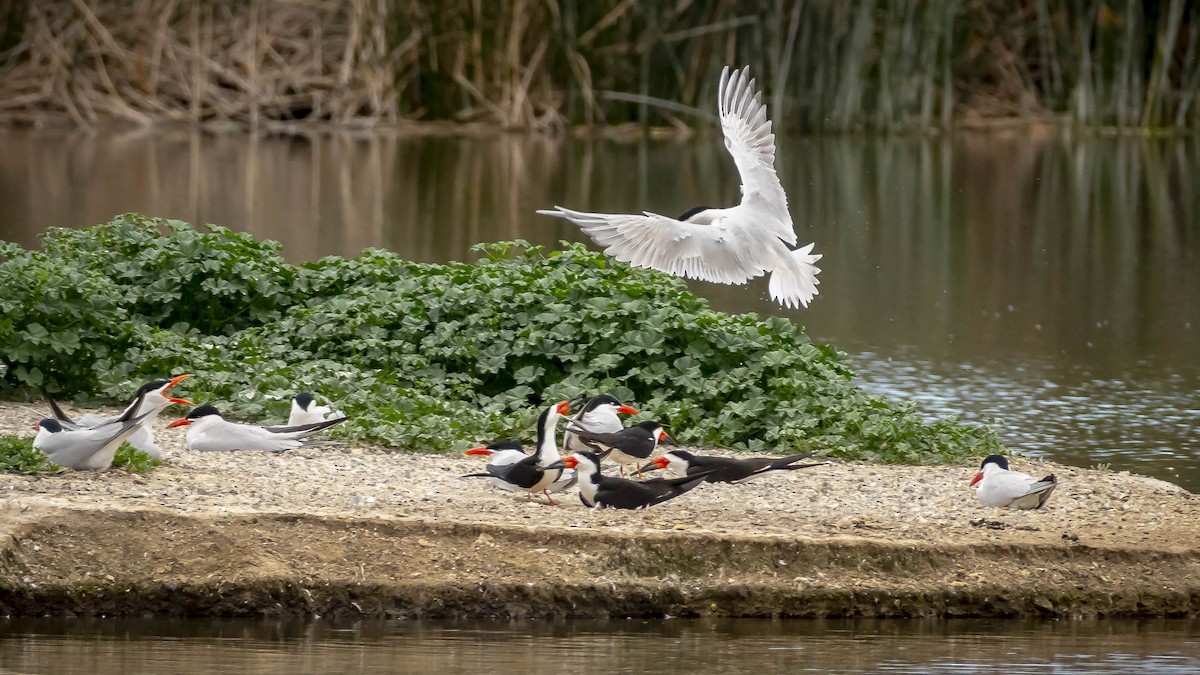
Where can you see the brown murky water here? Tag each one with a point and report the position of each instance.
(128, 647)
(1049, 286)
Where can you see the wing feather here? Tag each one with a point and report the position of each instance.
(749, 139)
(708, 252)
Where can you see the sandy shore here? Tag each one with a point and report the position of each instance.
(358, 530)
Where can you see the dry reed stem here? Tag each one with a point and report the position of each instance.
(144, 61)
(539, 64)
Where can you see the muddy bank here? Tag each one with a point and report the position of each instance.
(86, 562)
(356, 531)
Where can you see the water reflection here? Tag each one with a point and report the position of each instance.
(69, 646)
(1051, 284)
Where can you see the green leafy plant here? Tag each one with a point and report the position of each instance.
(17, 455)
(132, 459)
(430, 356)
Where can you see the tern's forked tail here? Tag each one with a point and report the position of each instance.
(794, 279)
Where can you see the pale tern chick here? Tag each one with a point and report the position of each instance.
(150, 399)
(209, 432)
(996, 485)
(725, 246)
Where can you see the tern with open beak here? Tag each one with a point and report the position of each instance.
(151, 399)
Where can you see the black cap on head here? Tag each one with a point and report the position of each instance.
(51, 425)
(590, 456)
(203, 411)
(683, 454)
(154, 385)
(506, 444)
(305, 399)
(648, 425)
(600, 400)
(998, 460)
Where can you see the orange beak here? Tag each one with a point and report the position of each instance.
(978, 477)
(174, 381)
(570, 462)
(664, 438)
(655, 464)
(181, 422)
(564, 408)
(37, 426)
(478, 451)
(627, 410)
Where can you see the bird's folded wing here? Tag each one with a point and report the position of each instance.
(301, 430)
(72, 448)
(1041, 486)
(233, 436)
(749, 139)
(706, 252)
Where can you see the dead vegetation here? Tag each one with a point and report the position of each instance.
(248, 63)
(529, 64)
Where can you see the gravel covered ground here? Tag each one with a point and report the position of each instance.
(876, 501)
(902, 506)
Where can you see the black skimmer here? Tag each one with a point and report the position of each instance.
(601, 415)
(151, 398)
(306, 411)
(633, 445)
(503, 453)
(726, 469)
(599, 491)
(726, 246)
(210, 432)
(997, 486)
(531, 473)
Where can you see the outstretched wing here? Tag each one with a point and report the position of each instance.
(749, 139)
(709, 252)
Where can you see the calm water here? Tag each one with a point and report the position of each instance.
(1050, 286)
(128, 647)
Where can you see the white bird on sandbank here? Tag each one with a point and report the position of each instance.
(998, 486)
(210, 432)
(149, 400)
